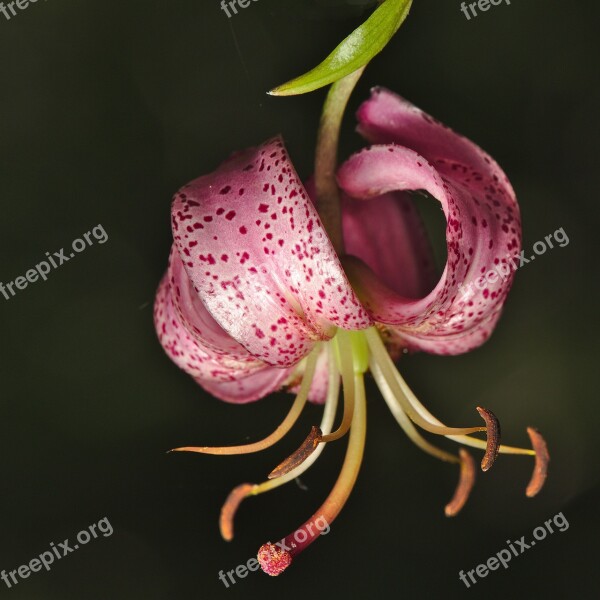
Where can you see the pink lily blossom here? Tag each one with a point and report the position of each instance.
(256, 298)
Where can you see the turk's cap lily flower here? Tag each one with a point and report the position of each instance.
(255, 297)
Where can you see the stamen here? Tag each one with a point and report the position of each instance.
(542, 458)
(404, 422)
(402, 392)
(467, 464)
(379, 353)
(243, 491)
(465, 484)
(297, 458)
(339, 494)
(493, 438)
(230, 508)
(482, 445)
(342, 347)
(283, 428)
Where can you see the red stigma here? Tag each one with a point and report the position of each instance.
(273, 560)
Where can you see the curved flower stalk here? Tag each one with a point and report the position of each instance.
(256, 298)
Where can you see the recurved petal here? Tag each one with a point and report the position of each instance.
(391, 240)
(387, 118)
(253, 245)
(231, 380)
(195, 316)
(480, 237)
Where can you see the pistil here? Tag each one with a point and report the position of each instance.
(245, 490)
(269, 555)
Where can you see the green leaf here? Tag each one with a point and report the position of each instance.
(354, 52)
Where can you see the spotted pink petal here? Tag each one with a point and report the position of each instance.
(222, 376)
(256, 252)
(391, 240)
(482, 232)
(387, 118)
(196, 318)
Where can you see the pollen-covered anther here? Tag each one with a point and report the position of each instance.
(465, 484)
(542, 458)
(493, 438)
(273, 560)
(299, 456)
(230, 508)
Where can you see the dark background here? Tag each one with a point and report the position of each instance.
(106, 109)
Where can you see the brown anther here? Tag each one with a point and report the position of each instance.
(230, 508)
(309, 445)
(493, 438)
(465, 484)
(542, 458)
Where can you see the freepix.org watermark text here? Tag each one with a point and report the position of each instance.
(515, 549)
(55, 260)
(482, 5)
(510, 263)
(230, 7)
(56, 552)
(8, 8)
(319, 526)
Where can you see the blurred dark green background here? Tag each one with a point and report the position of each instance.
(106, 109)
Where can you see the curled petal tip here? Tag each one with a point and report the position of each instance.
(542, 458)
(230, 508)
(465, 484)
(493, 437)
(273, 560)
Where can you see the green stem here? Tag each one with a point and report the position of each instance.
(326, 157)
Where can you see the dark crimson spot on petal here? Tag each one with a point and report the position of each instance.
(230, 215)
(263, 208)
(225, 190)
(243, 230)
(220, 211)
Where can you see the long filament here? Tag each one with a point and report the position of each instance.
(378, 350)
(281, 430)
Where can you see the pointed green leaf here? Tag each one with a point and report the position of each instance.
(354, 52)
